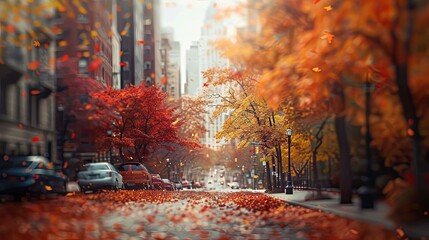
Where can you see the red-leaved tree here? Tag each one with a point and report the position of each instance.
(139, 119)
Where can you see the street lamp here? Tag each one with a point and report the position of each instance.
(289, 187)
(367, 191)
(109, 134)
(168, 168)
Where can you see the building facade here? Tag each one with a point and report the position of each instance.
(193, 80)
(27, 82)
(84, 63)
(131, 29)
(209, 57)
(152, 42)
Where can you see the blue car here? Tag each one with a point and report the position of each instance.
(22, 175)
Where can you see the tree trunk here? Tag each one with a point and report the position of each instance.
(273, 160)
(315, 174)
(345, 167)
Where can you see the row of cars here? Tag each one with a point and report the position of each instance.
(28, 175)
(130, 175)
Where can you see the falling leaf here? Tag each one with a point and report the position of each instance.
(70, 194)
(400, 232)
(152, 75)
(35, 92)
(10, 28)
(33, 65)
(97, 47)
(65, 164)
(35, 139)
(123, 64)
(62, 43)
(48, 188)
(36, 43)
(164, 80)
(94, 34)
(88, 106)
(329, 36)
(316, 69)
(20, 126)
(124, 32)
(205, 85)
(64, 58)
(328, 8)
(93, 66)
(121, 52)
(140, 42)
(23, 94)
(410, 132)
(354, 232)
(316, 1)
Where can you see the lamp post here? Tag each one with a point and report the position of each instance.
(367, 191)
(289, 187)
(109, 134)
(168, 168)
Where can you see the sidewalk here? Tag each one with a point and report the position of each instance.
(378, 215)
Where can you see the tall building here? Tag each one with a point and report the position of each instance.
(27, 83)
(172, 82)
(84, 62)
(152, 42)
(209, 57)
(116, 48)
(131, 28)
(193, 80)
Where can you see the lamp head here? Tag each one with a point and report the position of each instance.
(289, 132)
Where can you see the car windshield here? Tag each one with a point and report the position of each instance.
(94, 167)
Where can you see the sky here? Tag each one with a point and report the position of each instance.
(186, 18)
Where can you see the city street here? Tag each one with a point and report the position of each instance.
(174, 215)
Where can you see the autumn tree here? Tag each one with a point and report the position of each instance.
(139, 118)
(324, 53)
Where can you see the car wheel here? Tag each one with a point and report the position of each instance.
(65, 189)
(116, 187)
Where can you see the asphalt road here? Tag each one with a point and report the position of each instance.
(187, 214)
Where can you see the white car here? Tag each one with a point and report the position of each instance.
(101, 175)
(234, 185)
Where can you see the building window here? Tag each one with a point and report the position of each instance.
(147, 65)
(127, 66)
(147, 50)
(83, 66)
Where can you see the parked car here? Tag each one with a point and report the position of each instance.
(178, 185)
(101, 175)
(135, 175)
(168, 185)
(196, 185)
(185, 184)
(21, 175)
(157, 182)
(234, 185)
